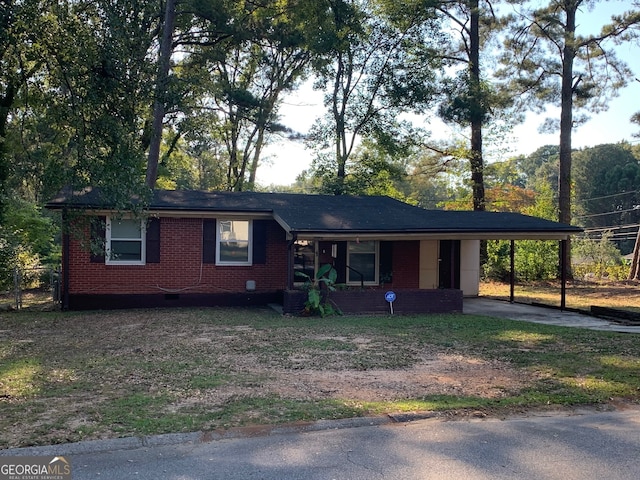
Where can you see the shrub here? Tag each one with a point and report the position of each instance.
(598, 258)
(318, 289)
(26, 238)
(534, 260)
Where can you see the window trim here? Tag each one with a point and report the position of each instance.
(376, 252)
(143, 247)
(249, 261)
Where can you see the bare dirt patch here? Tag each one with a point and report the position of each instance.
(442, 374)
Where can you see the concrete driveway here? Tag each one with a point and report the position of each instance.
(537, 314)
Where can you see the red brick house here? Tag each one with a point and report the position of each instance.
(244, 248)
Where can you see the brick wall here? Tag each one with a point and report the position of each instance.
(180, 269)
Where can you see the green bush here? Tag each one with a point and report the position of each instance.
(26, 242)
(534, 260)
(611, 272)
(13, 254)
(8, 258)
(598, 258)
(497, 265)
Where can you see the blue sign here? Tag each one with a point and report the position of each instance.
(390, 296)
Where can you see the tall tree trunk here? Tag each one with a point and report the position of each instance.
(265, 114)
(164, 63)
(338, 106)
(6, 102)
(566, 126)
(477, 113)
(255, 162)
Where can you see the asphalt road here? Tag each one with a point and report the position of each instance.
(582, 444)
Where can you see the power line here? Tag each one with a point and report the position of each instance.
(612, 227)
(621, 237)
(611, 235)
(607, 196)
(618, 236)
(635, 207)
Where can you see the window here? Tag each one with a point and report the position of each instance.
(233, 242)
(362, 262)
(125, 241)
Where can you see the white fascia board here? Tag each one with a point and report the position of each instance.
(191, 213)
(285, 226)
(434, 236)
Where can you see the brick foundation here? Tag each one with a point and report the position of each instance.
(109, 302)
(408, 301)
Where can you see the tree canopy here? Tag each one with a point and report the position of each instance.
(128, 94)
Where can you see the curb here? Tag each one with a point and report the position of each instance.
(131, 443)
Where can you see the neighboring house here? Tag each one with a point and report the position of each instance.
(244, 248)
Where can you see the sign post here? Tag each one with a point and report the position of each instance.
(390, 297)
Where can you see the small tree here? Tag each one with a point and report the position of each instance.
(318, 289)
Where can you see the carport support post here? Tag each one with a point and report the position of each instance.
(563, 274)
(512, 274)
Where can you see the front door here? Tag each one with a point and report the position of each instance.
(334, 253)
(449, 264)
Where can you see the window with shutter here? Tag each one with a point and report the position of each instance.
(234, 243)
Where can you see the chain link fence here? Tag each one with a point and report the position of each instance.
(34, 288)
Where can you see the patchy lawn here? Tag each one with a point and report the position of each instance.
(71, 376)
(581, 295)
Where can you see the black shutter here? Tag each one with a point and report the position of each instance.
(386, 262)
(260, 242)
(98, 229)
(153, 240)
(209, 240)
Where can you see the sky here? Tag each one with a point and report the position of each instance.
(285, 160)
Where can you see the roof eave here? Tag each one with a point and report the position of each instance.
(170, 212)
(433, 235)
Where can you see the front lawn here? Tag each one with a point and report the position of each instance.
(66, 377)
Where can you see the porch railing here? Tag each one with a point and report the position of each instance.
(351, 269)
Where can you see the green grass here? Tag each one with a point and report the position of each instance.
(72, 376)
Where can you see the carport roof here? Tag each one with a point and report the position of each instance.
(317, 216)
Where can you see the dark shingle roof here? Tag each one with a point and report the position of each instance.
(324, 214)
